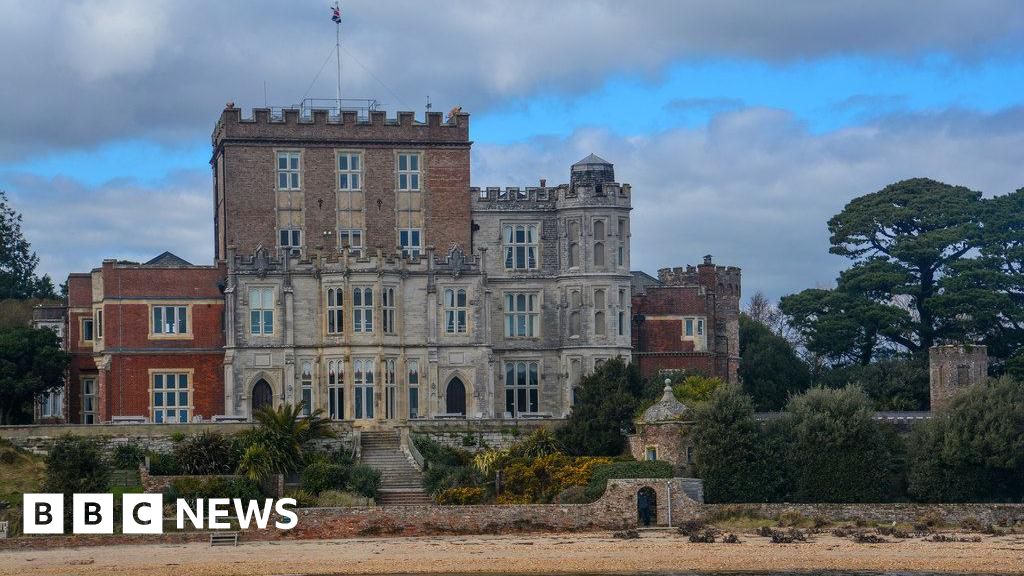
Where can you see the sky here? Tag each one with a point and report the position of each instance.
(743, 126)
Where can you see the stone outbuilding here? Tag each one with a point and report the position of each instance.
(664, 432)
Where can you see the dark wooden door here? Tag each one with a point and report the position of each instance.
(455, 397)
(262, 395)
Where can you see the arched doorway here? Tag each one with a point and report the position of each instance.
(455, 397)
(647, 506)
(262, 395)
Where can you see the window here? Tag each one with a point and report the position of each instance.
(622, 312)
(89, 402)
(414, 389)
(349, 171)
(99, 324)
(170, 403)
(362, 378)
(622, 242)
(261, 311)
(599, 238)
(409, 171)
(575, 303)
(521, 316)
(306, 386)
(651, 454)
(693, 330)
(410, 241)
(388, 310)
(170, 320)
(520, 247)
(288, 171)
(574, 244)
(390, 389)
(455, 311)
(600, 324)
(336, 390)
(51, 403)
(522, 388)
(87, 333)
(335, 311)
(351, 239)
(290, 238)
(362, 310)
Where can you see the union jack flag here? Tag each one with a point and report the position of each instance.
(336, 14)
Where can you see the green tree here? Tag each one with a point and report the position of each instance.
(919, 228)
(31, 363)
(732, 453)
(696, 388)
(606, 403)
(18, 262)
(836, 451)
(769, 367)
(974, 449)
(76, 465)
(892, 384)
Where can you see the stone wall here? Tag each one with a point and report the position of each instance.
(616, 510)
(951, 368)
(476, 435)
(155, 437)
(996, 514)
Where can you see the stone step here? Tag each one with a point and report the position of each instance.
(403, 498)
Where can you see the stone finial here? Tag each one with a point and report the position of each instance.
(666, 409)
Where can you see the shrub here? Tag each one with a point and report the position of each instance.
(161, 464)
(460, 496)
(323, 475)
(302, 498)
(541, 442)
(364, 480)
(690, 527)
(205, 453)
(338, 498)
(439, 454)
(541, 479)
(256, 463)
(127, 456)
(76, 465)
(214, 487)
(573, 495)
(601, 474)
(438, 478)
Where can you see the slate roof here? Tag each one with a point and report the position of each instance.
(666, 409)
(167, 260)
(592, 159)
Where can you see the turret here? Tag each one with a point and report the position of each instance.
(591, 172)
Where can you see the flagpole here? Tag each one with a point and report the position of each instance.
(337, 49)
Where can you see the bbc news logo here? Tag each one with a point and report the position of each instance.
(144, 513)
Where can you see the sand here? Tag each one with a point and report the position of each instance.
(521, 554)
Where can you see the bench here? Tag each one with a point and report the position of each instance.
(223, 538)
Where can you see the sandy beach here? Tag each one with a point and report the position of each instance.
(520, 554)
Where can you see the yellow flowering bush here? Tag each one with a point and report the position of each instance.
(460, 495)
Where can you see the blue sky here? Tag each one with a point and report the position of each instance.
(735, 125)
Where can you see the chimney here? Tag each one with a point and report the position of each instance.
(543, 183)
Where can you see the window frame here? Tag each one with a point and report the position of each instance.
(412, 369)
(410, 249)
(176, 335)
(528, 392)
(90, 416)
(410, 173)
(532, 325)
(512, 248)
(362, 313)
(336, 389)
(456, 315)
(290, 234)
(189, 390)
(290, 171)
(350, 233)
(388, 310)
(81, 329)
(364, 407)
(334, 308)
(263, 310)
(306, 371)
(348, 171)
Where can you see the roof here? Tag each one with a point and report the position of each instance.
(592, 159)
(168, 260)
(666, 409)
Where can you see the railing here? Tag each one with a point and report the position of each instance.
(409, 447)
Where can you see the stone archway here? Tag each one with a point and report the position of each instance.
(455, 397)
(647, 506)
(262, 395)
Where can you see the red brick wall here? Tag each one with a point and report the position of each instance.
(448, 204)
(127, 389)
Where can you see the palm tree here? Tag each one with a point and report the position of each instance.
(284, 433)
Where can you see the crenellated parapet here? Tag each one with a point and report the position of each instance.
(724, 280)
(545, 197)
(322, 125)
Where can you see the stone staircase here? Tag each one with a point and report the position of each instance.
(401, 482)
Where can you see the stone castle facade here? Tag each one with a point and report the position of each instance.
(357, 271)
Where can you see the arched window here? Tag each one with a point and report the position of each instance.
(306, 380)
(362, 309)
(574, 323)
(362, 378)
(574, 244)
(599, 238)
(455, 311)
(600, 327)
(335, 311)
(336, 390)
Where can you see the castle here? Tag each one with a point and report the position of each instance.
(358, 271)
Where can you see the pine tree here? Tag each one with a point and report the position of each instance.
(18, 262)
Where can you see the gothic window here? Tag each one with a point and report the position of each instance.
(520, 247)
(362, 379)
(362, 310)
(622, 242)
(600, 325)
(388, 310)
(599, 239)
(574, 244)
(622, 312)
(522, 388)
(335, 311)
(336, 390)
(390, 389)
(521, 315)
(90, 408)
(414, 389)
(306, 387)
(455, 311)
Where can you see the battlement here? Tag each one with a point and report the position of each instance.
(263, 261)
(323, 124)
(725, 280)
(544, 194)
